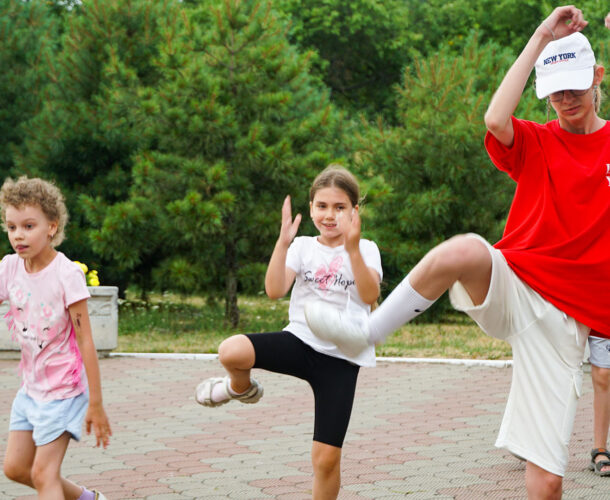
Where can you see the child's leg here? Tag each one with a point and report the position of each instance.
(46, 471)
(333, 382)
(39, 433)
(600, 375)
(326, 460)
(237, 356)
(19, 457)
(601, 410)
(26, 464)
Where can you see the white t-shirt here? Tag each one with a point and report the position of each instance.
(325, 273)
(51, 364)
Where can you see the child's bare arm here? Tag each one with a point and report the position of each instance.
(96, 415)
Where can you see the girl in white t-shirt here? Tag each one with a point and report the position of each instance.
(49, 318)
(336, 267)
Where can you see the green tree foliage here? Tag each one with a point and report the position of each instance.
(175, 128)
(363, 46)
(28, 38)
(510, 23)
(239, 123)
(430, 175)
(86, 134)
(507, 22)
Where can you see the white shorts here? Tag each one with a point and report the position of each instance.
(548, 349)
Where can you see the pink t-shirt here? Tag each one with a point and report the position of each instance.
(51, 365)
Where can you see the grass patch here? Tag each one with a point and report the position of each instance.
(171, 323)
(444, 340)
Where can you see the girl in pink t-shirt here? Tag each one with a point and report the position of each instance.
(49, 318)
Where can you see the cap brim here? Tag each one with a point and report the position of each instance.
(580, 79)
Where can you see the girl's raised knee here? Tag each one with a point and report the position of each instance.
(234, 350)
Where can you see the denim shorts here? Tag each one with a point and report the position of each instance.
(48, 420)
(600, 352)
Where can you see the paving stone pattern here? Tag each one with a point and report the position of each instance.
(418, 431)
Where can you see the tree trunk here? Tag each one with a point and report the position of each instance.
(231, 309)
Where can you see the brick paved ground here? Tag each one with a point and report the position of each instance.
(419, 431)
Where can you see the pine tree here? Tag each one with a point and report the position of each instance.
(431, 175)
(239, 124)
(29, 36)
(86, 133)
(362, 45)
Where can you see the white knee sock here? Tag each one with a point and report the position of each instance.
(402, 305)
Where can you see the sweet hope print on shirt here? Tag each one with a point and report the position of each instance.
(326, 277)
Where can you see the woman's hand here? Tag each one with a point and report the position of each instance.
(563, 21)
(607, 21)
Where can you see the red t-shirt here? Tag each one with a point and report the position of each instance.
(557, 236)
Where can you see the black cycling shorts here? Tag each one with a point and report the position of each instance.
(333, 380)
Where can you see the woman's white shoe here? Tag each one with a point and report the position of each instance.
(347, 330)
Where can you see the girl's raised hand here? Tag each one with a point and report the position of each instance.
(352, 237)
(289, 227)
(564, 21)
(607, 21)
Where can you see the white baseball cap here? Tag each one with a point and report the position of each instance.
(565, 64)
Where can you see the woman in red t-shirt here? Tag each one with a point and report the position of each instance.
(544, 285)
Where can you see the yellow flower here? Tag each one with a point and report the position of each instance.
(82, 266)
(93, 280)
(91, 276)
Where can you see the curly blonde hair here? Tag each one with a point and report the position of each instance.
(36, 192)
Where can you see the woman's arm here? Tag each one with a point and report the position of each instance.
(279, 278)
(96, 415)
(367, 278)
(562, 22)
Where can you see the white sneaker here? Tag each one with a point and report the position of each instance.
(350, 333)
